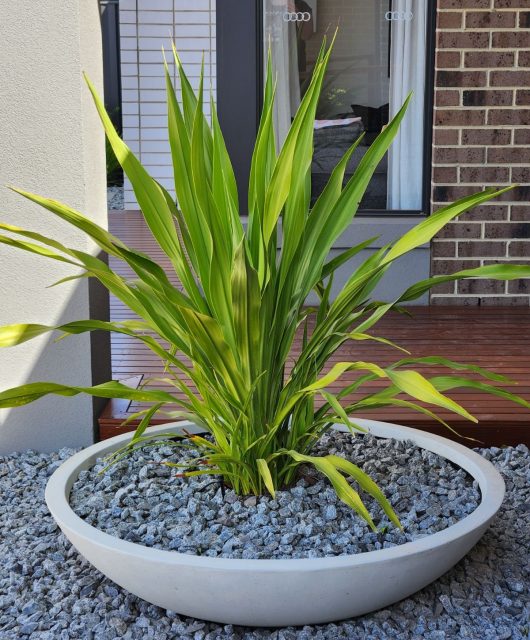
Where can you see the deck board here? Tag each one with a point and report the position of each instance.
(494, 337)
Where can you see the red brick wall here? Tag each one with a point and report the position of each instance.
(482, 138)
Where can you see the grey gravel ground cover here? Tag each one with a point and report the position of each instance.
(115, 197)
(48, 591)
(142, 501)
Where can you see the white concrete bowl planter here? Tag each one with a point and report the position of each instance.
(278, 592)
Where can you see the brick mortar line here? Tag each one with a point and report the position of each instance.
(450, 165)
(476, 184)
(487, 49)
(504, 107)
(464, 296)
(483, 222)
(465, 127)
(484, 10)
(488, 88)
(465, 12)
(521, 107)
(479, 257)
(513, 203)
(490, 30)
(476, 69)
(477, 127)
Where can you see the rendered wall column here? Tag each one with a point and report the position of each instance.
(51, 143)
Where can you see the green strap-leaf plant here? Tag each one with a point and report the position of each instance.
(225, 335)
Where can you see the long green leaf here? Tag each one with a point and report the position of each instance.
(265, 474)
(331, 266)
(336, 220)
(147, 191)
(145, 422)
(31, 247)
(451, 364)
(287, 175)
(246, 305)
(427, 229)
(491, 271)
(364, 336)
(290, 400)
(367, 484)
(339, 410)
(344, 491)
(94, 266)
(26, 393)
(13, 334)
(415, 385)
(445, 383)
(261, 170)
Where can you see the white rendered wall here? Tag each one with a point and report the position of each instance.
(51, 143)
(147, 26)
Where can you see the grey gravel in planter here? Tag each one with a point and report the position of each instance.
(141, 501)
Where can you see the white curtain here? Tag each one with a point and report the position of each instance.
(407, 73)
(282, 38)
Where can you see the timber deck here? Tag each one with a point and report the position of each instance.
(497, 338)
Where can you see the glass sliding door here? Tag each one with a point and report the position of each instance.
(379, 57)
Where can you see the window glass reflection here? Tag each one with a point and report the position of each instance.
(378, 58)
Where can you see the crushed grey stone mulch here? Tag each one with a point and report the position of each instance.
(142, 501)
(49, 592)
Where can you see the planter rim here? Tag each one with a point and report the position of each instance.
(491, 485)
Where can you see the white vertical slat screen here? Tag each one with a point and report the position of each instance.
(145, 27)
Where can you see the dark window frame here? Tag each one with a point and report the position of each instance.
(110, 34)
(239, 82)
(240, 92)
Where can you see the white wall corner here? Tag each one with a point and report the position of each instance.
(53, 145)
